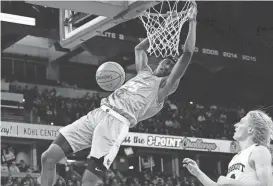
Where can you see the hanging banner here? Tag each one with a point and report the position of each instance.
(48, 132)
(204, 51)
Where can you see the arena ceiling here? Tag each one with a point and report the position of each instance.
(241, 27)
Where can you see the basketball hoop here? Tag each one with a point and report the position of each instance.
(163, 24)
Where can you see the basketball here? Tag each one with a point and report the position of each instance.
(110, 76)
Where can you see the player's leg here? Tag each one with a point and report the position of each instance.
(72, 138)
(107, 138)
(56, 152)
(94, 172)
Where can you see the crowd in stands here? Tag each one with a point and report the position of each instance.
(12, 168)
(47, 106)
(112, 178)
(189, 119)
(146, 178)
(193, 120)
(19, 181)
(16, 172)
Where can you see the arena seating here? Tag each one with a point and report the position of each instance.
(112, 178)
(47, 106)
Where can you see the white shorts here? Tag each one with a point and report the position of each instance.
(101, 129)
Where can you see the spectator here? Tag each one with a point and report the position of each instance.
(59, 182)
(4, 167)
(13, 168)
(192, 183)
(78, 183)
(169, 182)
(35, 169)
(169, 123)
(31, 181)
(23, 167)
(35, 182)
(70, 183)
(145, 183)
(74, 179)
(186, 182)
(19, 181)
(9, 183)
(26, 182)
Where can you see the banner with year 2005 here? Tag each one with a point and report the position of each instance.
(48, 132)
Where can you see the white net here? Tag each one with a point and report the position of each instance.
(163, 24)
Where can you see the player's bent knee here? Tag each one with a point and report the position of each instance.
(96, 167)
(52, 155)
(48, 160)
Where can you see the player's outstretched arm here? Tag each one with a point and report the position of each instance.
(193, 168)
(262, 160)
(183, 62)
(141, 58)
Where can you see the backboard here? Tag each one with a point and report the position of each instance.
(81, 20)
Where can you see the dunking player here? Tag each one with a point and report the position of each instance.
(252, 165)
(105, 128)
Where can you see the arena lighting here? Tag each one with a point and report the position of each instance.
(17, 19)
(71, 161)
(191, 102)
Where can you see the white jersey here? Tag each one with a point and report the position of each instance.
(137, 99)
(239, 168)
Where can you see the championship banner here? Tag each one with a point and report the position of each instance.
(223, 52)
(48, 132)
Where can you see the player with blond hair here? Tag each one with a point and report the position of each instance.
(252, 165)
